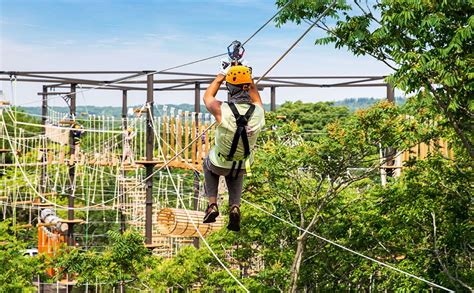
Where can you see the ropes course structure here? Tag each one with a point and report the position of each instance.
(113, 166)
(71, 172)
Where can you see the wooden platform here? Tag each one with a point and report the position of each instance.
(43, 204)
(129, 167)
(2, 151)
(45, 225)
(75, 221)
(67, 122)
(49, 194)
(157, 245)
(25, 202)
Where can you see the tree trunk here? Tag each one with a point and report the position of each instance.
(295, 267)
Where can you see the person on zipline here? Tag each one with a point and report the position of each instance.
(239, 121)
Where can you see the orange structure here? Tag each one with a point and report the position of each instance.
(48, 243)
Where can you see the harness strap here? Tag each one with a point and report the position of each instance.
(241, 132)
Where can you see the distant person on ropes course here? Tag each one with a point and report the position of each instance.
(77, 132)
(239, 121)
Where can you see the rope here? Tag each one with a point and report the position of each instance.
(268, 21)
(345, 248)
(69, 128)
(224, 54)
(174, 157)
(174, 151)
(187, 212)
(174, 67)
(298, 40)
(25, 176)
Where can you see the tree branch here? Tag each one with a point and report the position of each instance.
(438, 257)
(444, 107)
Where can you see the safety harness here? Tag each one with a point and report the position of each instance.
(241, 132)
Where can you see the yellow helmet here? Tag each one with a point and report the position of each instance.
(239, 75)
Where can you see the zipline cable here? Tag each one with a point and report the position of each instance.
(298, 40)
(178, 66)
(345, 248)
(224, 54)
(139, 184)
(187, 212)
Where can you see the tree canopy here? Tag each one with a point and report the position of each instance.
(428, 44)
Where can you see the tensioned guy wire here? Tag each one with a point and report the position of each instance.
(345, 248)
(223, 54)
(187, 212)
(182, 65)
(298, 40)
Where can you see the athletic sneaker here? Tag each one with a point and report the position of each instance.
(234, 219)
(211, 213)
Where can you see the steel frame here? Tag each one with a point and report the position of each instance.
(151, 82)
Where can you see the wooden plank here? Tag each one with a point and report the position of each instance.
(186, 139)
(199, 141)
(145, 162)
(43, 204)
(75, 221)
(207, 141)
(179, 138)
(193, 145)
(423, 151)
(25, 202)
(165, 137)
(172, 149)
(67, 122)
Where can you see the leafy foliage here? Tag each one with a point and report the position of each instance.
(120, 263)
(428, 44)
(16, 269)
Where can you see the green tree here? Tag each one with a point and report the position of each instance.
(419, 223)
(121, 263)
(428, 44)
(312, 117)
(16, 270)
(300, 179)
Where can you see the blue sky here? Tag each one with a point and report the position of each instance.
(145, 34)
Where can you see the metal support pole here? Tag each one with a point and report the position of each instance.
(272, 99)
(44, 159)
(197, 109)
(390, 93)
(197, 97)
(149, 158)
(389, 152)
(122, 188)
(72, 168)
(44, 107)
(44, 113)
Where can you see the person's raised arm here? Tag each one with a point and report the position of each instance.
(255, 95)
(210, 101)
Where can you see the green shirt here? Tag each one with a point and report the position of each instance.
(225, 132)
